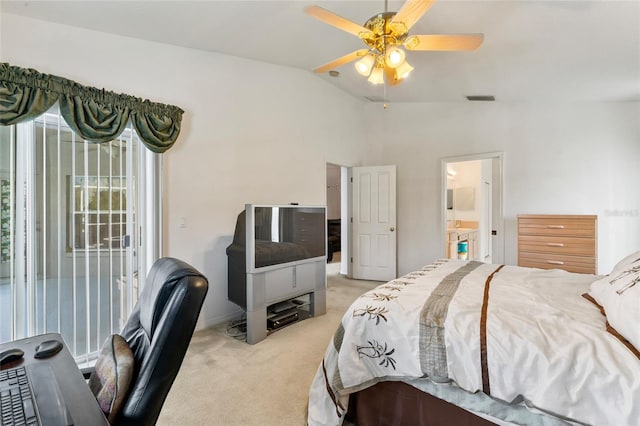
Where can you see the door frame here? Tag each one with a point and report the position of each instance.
(497, 241)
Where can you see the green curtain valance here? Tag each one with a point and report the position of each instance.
(95, 114)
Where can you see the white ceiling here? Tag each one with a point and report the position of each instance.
(533, 50)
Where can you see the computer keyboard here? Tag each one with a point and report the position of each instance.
(17, 405)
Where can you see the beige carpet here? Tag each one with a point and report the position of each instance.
(224, 381)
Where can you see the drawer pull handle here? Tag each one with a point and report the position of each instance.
(555, 262)
(555, 244)
(555, 226)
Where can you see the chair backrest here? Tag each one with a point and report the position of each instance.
(158, 332)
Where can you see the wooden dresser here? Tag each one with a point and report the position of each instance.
(566, 242)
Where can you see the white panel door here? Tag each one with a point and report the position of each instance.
(374, 223)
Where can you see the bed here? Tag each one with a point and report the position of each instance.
(465, 342)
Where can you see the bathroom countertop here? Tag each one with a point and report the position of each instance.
(459, 230)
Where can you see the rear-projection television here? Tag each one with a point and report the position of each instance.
(268, 237)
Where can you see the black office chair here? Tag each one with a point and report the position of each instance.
(158, 333)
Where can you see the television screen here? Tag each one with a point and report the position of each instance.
(287, 233)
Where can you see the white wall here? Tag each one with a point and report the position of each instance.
(251, 132)
(572, 158)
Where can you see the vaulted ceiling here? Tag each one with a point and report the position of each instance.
(533, 50)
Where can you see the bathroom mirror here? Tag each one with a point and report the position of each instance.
(465, 198)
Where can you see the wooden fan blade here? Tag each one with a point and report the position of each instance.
(338, 21)
(444, 42)
(410, 12)
(341, 61)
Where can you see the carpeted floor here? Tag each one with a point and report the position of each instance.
(224, 381)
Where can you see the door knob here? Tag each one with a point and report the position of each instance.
(392, 229)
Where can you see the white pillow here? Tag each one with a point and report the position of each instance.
(623, 312)
(631, 259)
(615, 279)
(619, 294)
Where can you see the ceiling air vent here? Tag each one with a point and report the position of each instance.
(485, 98)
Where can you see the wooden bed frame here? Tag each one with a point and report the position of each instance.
(400, 404)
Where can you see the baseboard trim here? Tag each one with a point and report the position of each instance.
(218, 319)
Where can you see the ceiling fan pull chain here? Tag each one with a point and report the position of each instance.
(384, 94)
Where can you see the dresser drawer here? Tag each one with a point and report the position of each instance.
(566, 242)
(557, 226)
(575, 246)
(581, 264)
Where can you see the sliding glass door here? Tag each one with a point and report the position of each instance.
(74, 216)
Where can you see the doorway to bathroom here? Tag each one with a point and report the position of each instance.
(473, 225)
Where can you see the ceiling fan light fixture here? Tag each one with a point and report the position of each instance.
(387, 38)
(403, 70)
(364, 65)
(377, 76)
(394, 56)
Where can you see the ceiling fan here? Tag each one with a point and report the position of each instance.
(386, 36)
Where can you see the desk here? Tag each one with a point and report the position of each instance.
(80, 401)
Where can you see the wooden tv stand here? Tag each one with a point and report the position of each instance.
(280, 283)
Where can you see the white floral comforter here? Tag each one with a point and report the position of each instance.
(537, 341)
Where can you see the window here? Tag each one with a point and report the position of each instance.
(98, 216)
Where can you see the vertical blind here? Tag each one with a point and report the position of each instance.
(71, 210)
